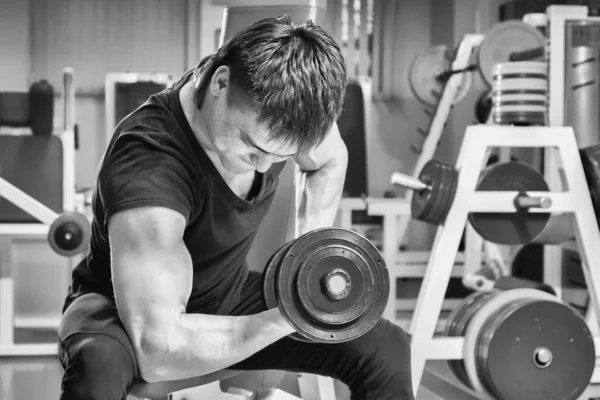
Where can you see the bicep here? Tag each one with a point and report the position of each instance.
(151, 268)
(331, 151)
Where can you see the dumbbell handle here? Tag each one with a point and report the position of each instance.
(409, 182)
(525, 202)
(526, 55)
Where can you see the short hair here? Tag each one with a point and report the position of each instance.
(292, 75)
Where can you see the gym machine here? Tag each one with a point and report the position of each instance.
(67, 232)
(519, 343)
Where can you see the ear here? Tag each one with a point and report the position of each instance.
(219, 81)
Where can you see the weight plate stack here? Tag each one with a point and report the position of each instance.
(520, 93)
(331, 285)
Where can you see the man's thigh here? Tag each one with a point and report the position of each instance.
(93, 315)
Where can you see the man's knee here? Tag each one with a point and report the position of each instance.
(392, 359)
(398, 339)
(96, 367)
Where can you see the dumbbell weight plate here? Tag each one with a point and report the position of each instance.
(509, 342)
(69, 234)
(433, 205)
(503, 39)
(510, 228)
(423, 81)
(458, 320)
(299, 285)
(269, 276)
(487, 311)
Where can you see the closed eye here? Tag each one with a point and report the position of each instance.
(250, 143)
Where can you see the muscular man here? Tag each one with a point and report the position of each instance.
(165, 292)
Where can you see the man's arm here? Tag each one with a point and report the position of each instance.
(325, 169)
(152, 277)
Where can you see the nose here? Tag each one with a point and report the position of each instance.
(262, 162)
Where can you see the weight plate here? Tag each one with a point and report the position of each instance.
(590, 158)
(423, 78)
(69, 234)
(432, 205)
(510, 228)
(487, 311)
(503, 39)
(300, 291)
(520, 67)
(536, 350)
(520, 118)
(457, 323)
(528, 262)
(483, 107)
(268, 282)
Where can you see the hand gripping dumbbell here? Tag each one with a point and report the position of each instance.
(331, 284)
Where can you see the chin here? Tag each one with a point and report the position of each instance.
(237, 166)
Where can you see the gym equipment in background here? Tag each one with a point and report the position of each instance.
(351, 125)
(124, 92)
(331, 285)
(508, 42)
(513, 337)
(48, 161)
(435, 189)
(481, 363)
(520, 93)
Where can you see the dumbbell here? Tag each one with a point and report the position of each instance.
(331, 285)
(69, 234)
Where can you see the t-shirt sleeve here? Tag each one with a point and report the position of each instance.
(141, 173)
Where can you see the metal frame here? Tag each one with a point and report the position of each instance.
(46, 216)
(478, 139)
(112, 78)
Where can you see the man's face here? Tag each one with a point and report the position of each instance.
(241, 143)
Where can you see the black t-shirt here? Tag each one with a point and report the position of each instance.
(154, 159)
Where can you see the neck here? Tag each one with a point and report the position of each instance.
(195, 117)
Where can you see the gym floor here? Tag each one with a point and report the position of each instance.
(30, 378)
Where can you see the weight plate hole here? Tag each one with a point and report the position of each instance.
(542, 357)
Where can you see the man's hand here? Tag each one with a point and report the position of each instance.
(325, 169)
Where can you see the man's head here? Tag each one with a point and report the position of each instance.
(271, 91)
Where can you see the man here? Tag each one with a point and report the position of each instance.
(165, 293)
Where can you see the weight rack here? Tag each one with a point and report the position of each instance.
(471, 161)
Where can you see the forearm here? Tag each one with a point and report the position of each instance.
(199, 344)
(322, 195)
